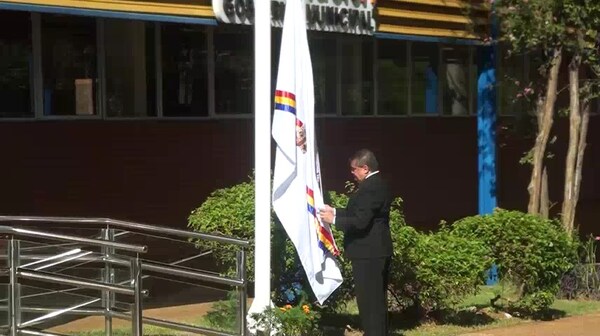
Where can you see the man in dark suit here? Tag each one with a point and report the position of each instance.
(367, 240)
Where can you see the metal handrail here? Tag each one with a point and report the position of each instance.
(129, 226)
(173, 325)
(88, 241)
(109, 257)
(72, 281)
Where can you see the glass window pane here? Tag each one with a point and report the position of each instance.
(69, 64)
(424, 84)
(456, 63)
(323, 56)
(234, 74)
(357, 76)
(15, 64)
(184, 70)
(392, 76)
(130, 68)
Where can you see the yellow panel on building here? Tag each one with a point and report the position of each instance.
(196, 8)
(440, 18)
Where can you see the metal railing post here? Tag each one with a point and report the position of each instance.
(242, 291)
(136, 308)
(14, 295)
(108, 286)
(108, 276)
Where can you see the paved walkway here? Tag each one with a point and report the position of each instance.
(178, 314)
(585, 325)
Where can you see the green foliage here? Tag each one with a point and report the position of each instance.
(230, 212)
(299, 320)
(223, 314)
(435, 271)
(428, 271)
(403, 285)
(449, 269)
(531, 252)
(529, 25)
(547, 24)
(544, 26)
(583, 281)
(533, 304)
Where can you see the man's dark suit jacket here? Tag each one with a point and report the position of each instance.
(366, 220)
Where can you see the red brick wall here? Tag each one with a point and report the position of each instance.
(158, 171)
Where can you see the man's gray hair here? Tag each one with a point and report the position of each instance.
(365, 157)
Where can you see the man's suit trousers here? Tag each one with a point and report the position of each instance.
(370, 284)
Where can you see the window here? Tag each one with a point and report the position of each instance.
(125, 68)
(69, 65)
(424, 78)
(392, 76)
(15, 64)
(323, 52)
(184, 70)
(130, 68)
(457, 64)
(234, 70)
(356, 76)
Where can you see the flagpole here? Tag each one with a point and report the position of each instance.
(262, 157)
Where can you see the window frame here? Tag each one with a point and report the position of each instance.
(37, 85)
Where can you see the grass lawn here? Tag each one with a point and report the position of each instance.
(469, 321)
(473, 314)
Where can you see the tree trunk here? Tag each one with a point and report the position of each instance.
(569, 201)
(545, 114)
(585, 119)
(576, 182)
(545, 196)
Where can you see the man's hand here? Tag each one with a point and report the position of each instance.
(327, 214)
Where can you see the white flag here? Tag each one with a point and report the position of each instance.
(297, 193)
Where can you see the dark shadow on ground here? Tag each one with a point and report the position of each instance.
(400, 322)
(544, 315)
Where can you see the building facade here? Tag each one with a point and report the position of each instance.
(138, 109)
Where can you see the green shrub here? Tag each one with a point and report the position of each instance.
(531, 252)
(403, 285)
(434, 271)
(533, 304)
(230, 212)
(223, 314)
(288, 320)
(428, 271)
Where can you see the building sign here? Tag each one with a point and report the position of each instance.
(342, 16)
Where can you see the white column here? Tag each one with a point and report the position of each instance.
(262, 158)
